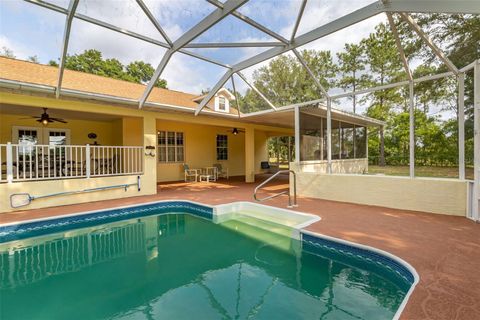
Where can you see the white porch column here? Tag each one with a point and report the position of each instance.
(461, 126)
(10, 162)
(476, 142)
(149, 178)
(249, 154)
(412, 132)
(329, 135)
(297, 135)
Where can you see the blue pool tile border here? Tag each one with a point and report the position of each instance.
(36, 228)
(318, 245)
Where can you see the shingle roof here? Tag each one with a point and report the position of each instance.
(25, 71)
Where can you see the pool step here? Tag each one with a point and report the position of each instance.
(268, 232)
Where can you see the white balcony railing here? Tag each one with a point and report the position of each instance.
(20, 162)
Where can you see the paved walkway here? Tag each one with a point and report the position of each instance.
(444, 250)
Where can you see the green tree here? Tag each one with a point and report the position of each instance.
(33, 59)
(142, 72)
(284, 80)
(91, 61)
(384, 67)
(351, 63)
(6, 52)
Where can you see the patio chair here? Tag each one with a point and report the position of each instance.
(189, 173)
(220, 172)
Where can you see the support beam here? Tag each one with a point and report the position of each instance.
(304, 64)
(381, 160)
(297, 135)
(236, 96)
(438, 52)
(393, 85)
(251, 22)
(156, 75)
(461, 126)
(329, 135)
(476, 142)
(299, 18)
(214, 90)
(153, 20)
(205, 24)
(66, 36)
(234, 45)
(412, 131)
(200, 57)
(435, 6)
(399, 46)
(257, 91)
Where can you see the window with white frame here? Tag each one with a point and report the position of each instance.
(222, 147)
(171, 146)
(222, 104)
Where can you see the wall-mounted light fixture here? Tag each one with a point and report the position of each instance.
(150, 151)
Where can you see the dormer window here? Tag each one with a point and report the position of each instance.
(222, 104)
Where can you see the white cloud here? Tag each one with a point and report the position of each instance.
(20, 50)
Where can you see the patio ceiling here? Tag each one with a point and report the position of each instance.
(23, 111)
(285, 117)
(187, 42)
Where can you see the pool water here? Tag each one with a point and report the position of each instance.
(178, 266)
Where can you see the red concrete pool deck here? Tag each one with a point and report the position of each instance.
(445, 250)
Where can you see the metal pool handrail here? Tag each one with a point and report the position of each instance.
(290, 205)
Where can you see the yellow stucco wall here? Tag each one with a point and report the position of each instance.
(131, 131)
(38, 188)
(261, 151)
(338, 166)
(200, 149)
(442, 196)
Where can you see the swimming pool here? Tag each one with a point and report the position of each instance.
(170, 260)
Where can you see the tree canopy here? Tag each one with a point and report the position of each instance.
(91, 61)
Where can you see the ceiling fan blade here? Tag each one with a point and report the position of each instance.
(59, 120)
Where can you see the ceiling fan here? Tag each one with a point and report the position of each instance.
(45, 119)
(236, 131)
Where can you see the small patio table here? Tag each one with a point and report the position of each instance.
(210, 171)
(206, 177)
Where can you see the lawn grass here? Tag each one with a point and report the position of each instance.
(420, 171)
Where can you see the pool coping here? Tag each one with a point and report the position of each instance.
(300, 227)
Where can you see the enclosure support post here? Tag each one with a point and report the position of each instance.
(476, 142)
(381, 160)
(412, 132)
(289, 156)
(461, 126)
(9, 162)
(340, 138)
(297, 135)
(354, 142)
(329, 135)
(322, 141)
